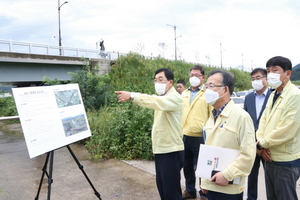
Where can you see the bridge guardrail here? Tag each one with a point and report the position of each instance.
(44, 49)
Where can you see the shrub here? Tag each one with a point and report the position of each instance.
(8, 107)
(121, 132)
(96, 91)
(241, 79)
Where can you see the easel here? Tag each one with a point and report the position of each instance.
(50, 180)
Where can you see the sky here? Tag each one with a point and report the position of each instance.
(242, 34)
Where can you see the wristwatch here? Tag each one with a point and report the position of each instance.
(258, 146)
(131, 96)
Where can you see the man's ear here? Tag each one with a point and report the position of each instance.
(203, 78)
(288, 73)
(227, 90)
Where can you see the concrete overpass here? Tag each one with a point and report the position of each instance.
(23, 63)
(21, 69)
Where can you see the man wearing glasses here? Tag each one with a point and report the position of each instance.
(255, 103)
(196, 113)
(231, 127)
(167, 144)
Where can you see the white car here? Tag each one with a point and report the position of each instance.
(234, 94)
(238, 101)
(242, 93)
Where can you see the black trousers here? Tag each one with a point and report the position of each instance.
(191, 152)
(168, 168)
(281, 181)
(222, 196)
(253, 178)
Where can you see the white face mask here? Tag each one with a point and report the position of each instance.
(211, 96)
(257, 85)
(274, 80)
(194, 81)
(160, 88)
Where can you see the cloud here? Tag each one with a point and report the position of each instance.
(249, 31)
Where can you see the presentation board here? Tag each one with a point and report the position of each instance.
(51, 116)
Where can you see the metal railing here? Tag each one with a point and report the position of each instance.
(44, 49)
(8, 118)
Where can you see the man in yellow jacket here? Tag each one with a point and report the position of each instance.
(278, 134)
(229, 126)
(167, 141)
(196, 113)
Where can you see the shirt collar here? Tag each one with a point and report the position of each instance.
(216, 113)
(167, 91)
(199, 88)
(265, 92)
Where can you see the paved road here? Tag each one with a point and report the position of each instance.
(113, 179)
(20, 176)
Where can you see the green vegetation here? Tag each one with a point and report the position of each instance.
(296, 82)
(123, 130)
(296, 74)
(135, 73)
(7, 107)
(96, 91)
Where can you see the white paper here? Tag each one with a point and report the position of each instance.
(215, 158)
(51, 116)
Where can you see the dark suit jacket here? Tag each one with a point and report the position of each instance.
(249, 106)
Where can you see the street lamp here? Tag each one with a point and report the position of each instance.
(221, 53)
(175, 39)
(59, 38)
(242, 62)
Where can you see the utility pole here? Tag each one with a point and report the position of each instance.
(175, 38)
(59, 31)
(221, 54)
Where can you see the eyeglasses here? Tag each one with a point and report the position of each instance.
(197, 75)
(257, 78)
(159, 81)
(212, 86)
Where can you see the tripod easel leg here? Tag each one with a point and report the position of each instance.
(81, 168)
(50, 180)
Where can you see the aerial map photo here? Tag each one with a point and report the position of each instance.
(74, 125)
(67, 98)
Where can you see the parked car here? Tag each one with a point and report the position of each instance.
(242, 93)
(238, 101)
(234, 94)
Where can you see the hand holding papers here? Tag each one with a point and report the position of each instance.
(213, 158)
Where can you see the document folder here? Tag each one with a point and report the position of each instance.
(213, 158)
